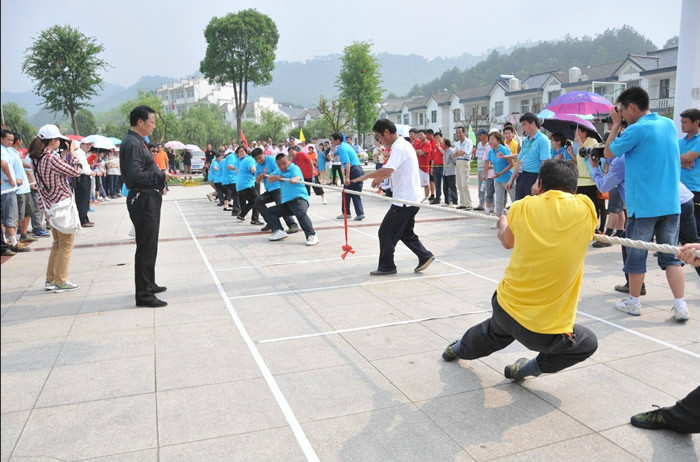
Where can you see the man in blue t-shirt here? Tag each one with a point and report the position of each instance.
(351, 166)
(689, 147)
(652, 189)
(245, 185)
(228, 175)
(536, 149)
(265, 164)
(295, 201)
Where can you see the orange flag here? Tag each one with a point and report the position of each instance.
(244, 140)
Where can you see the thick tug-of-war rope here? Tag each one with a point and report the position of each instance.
(651, 246)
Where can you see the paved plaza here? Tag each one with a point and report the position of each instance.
(282, 352)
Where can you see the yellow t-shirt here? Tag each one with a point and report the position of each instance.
(542, 283)
(513, 146)
(584, 175)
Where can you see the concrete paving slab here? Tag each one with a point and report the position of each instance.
(20, 389)
(196, 335)
(308, 354)
(102, 347)
(27, 330)
(387, 342)
(581, 449)
(655, 446)
(112, 321)
(21, 356)
(11, 426)
(148, 455)
(92, 429)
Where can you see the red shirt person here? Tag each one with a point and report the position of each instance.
(424, 151)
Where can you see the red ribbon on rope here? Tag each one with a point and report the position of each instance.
(346, 248)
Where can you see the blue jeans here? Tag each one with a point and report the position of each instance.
(437, 176)
(665, 228)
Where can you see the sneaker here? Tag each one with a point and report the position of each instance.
(66, 287)
(422, 265)
(625, 289)
(41, 233)
(311, 240)
(227, 209)
(8, 253)
(626, 307)
(680, 312)
(494, 226)
(240, 218)
(265, 228)
(449, 354)
(19, 248)
(431, 198)
(462, 207)
(425, 199)
(512, 371)
(359, 218)
(278, 235)
(479, 209)
(600, 245)
(211, 199)
(90, 209)
(325, 202)
(28, 238)
(340, 217)
(293, 229)
(48, 285)
(651, 420)
(257, 222)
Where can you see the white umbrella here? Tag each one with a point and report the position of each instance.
(191, 147)
(100, 142)
(402, 130)
(174, 145)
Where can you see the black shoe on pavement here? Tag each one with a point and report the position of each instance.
(267, 228)
(651, 420)
(424, 264)
(293, 229)
(153, 303)
(257, 222)
(159, 289)
(381, 273)
(625, 289)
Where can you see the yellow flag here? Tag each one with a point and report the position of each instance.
(301, 135)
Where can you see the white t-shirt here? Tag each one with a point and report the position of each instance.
(405, 182)
(82, 158)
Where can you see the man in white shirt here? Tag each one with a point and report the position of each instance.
(82, 183)
(399, 221)
(463, 156)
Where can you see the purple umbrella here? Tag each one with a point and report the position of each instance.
(580, 102)
(566, 124)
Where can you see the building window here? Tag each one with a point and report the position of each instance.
(421, 119)
(433, 116)
(456, 116)
(190, 92)
(498, 109)
(524, 106)
(484, 112)
(405, 119)
(634, 83)
(178, 95)
(181, 109)
(398, 119)
(664, 88)
(165, 96)
(536, 105)
(552, 95)
(250, 114)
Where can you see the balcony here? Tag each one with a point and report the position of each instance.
(660, 104)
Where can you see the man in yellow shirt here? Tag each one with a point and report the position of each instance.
(536, 300)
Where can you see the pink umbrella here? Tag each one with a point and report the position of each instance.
(566, 124)
(580, 102)
(174, 145)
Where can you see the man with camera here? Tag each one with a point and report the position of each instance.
(649, 145)
(536, 149)
(586, 151)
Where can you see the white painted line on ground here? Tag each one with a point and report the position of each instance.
(376, 326)
(274, 388)
(385, 280)
(582, 313)
(298, 262)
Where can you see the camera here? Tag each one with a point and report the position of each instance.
(597, 151)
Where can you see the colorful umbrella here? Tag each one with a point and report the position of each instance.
(100, 142)
(114, 140)
(547, 114)
(566, 124)
(191, 147)
(174, 145)
(580, 102)
(75, 137)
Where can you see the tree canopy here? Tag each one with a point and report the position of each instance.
(65, 65)
(16, 120)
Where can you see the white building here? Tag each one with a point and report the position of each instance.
(179, 96)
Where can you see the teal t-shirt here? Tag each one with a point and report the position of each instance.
(246, 177)
(291, 191)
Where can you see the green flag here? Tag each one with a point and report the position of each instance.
(471, 135)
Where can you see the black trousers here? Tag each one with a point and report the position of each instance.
(355, 172)
(82, 197)
(272, 196)
(684, 417)
(247, 197)
(318, 190)
(144, 211)
(696, 201)
(557, 351)
(396, 226)
(297, 207)
(231, 194)
(601, 211)
(337, 170)
(449, 187)
(523, 184)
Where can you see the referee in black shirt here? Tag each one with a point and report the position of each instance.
(145, 182)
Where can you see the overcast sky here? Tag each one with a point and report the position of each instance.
(149, 37)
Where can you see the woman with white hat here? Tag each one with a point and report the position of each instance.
(56, 198)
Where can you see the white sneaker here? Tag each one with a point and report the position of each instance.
(312, 240)
(132, 232)
(634, 309)
(494, 226)
(278, 235)
(65, 287)
(325, 202)
(49, 286)
(680, 312)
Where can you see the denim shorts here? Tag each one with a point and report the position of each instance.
(665, 228)
(9, 210)
(615, 204)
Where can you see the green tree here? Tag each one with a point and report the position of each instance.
(65, 65)
(318, 128)
(337, 113)
(86, 122)
(672, 42)
(240, 50)
(16, 120)
(272, 126)
(359, 81)
(206, 123)
(168, 126)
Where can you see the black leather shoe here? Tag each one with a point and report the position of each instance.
(424, 264)
(158, 289)
(154, 303)
(381, 273)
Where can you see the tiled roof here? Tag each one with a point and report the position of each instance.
(470, 94)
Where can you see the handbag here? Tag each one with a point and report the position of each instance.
(63, 216)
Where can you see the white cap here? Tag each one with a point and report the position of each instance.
(50, 132)
(87, 140)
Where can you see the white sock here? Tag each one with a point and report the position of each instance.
(13, 240)
(633, 300)
(679, 302)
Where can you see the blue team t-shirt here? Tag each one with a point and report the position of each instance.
(214, 171)
(347, 155)
(535, 150)
(652, 166)
(500, 163)
(228, 176)
(246, 177)
(690, 177)
(291, 191)
(271, 166)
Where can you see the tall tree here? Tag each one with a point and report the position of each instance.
(16, 120)
(167, 124)
(65, 65)
(359, 81)
(337, 113)
(240, 50)
(86, 122)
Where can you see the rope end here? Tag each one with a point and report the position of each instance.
(346, 250)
